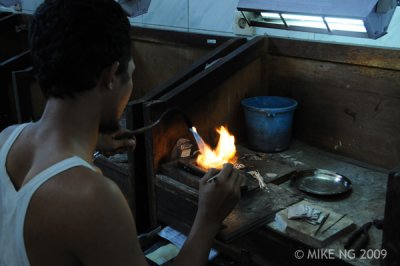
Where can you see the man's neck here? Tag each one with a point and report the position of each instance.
(72, 124)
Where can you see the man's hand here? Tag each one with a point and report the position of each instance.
(110, 144)
(218, 197)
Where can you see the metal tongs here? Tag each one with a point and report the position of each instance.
(200, 142)
(360, 238)
(141, 130)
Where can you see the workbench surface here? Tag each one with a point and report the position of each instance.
(363, 204)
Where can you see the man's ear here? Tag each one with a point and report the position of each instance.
(108, 75)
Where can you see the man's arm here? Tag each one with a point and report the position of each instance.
(104, 229)
(102, 226)
(216, 201)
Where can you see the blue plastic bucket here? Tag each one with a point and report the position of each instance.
(269, 122)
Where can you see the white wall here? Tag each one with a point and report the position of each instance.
(217, 17)
(30, 5)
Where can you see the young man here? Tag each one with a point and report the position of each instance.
(56, 207)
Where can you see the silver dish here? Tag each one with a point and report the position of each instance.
(321, 182)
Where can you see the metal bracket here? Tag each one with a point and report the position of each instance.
(384, 6)
(135, 8)
(19, 28)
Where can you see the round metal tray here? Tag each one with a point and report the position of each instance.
(321, 182)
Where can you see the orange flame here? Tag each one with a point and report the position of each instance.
(224, 152)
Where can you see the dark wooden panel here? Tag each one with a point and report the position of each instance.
(156, 63)
(170, 199)
(29, 99)
(216, 74)
(13, 56)
(348, 109)
(267, 247)
(221, 106)
(7, 104)
(177, 205)
(141, 162)
(4, 14)
(196, 67)
(13, 35)
(160, 54)
(217, 90)
(340, 53)
(206, 41)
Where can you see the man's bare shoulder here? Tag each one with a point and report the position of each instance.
(87, 216)
(84, 188)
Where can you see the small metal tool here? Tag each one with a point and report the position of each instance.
(360, 238)
(322, 223)
(330, 226)
(168, 112)
(214, 178)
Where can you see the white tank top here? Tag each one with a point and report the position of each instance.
(14, 204)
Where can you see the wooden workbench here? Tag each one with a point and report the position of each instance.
(366, 202)
(268, 246)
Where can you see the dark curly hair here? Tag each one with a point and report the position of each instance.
(72, 41)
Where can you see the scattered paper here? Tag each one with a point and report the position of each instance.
(239, 166)
(306, 213)
(163, 254)
(296, 163)
(271, 175)
(280, 223)
(178, 239)
(256, 174)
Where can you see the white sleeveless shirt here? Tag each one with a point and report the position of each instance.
(14, 204)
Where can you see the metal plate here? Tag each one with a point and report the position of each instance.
(321, 182)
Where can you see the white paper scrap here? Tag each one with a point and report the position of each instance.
(178, 239)
(280, 223)
(163, 254)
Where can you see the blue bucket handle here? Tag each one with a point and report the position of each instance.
(270, 115)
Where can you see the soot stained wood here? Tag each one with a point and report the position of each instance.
(7, 103)
(160, 54)
(348, 109)
(141, 162)
(156, 64)
(216, 74)
(197, 66)
(218, 94)
(223, 102)
(13, 35)
(336, 53)
(177, 205)
(13, 56)
(177, 38)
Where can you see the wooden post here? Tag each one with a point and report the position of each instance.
(391, 232)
